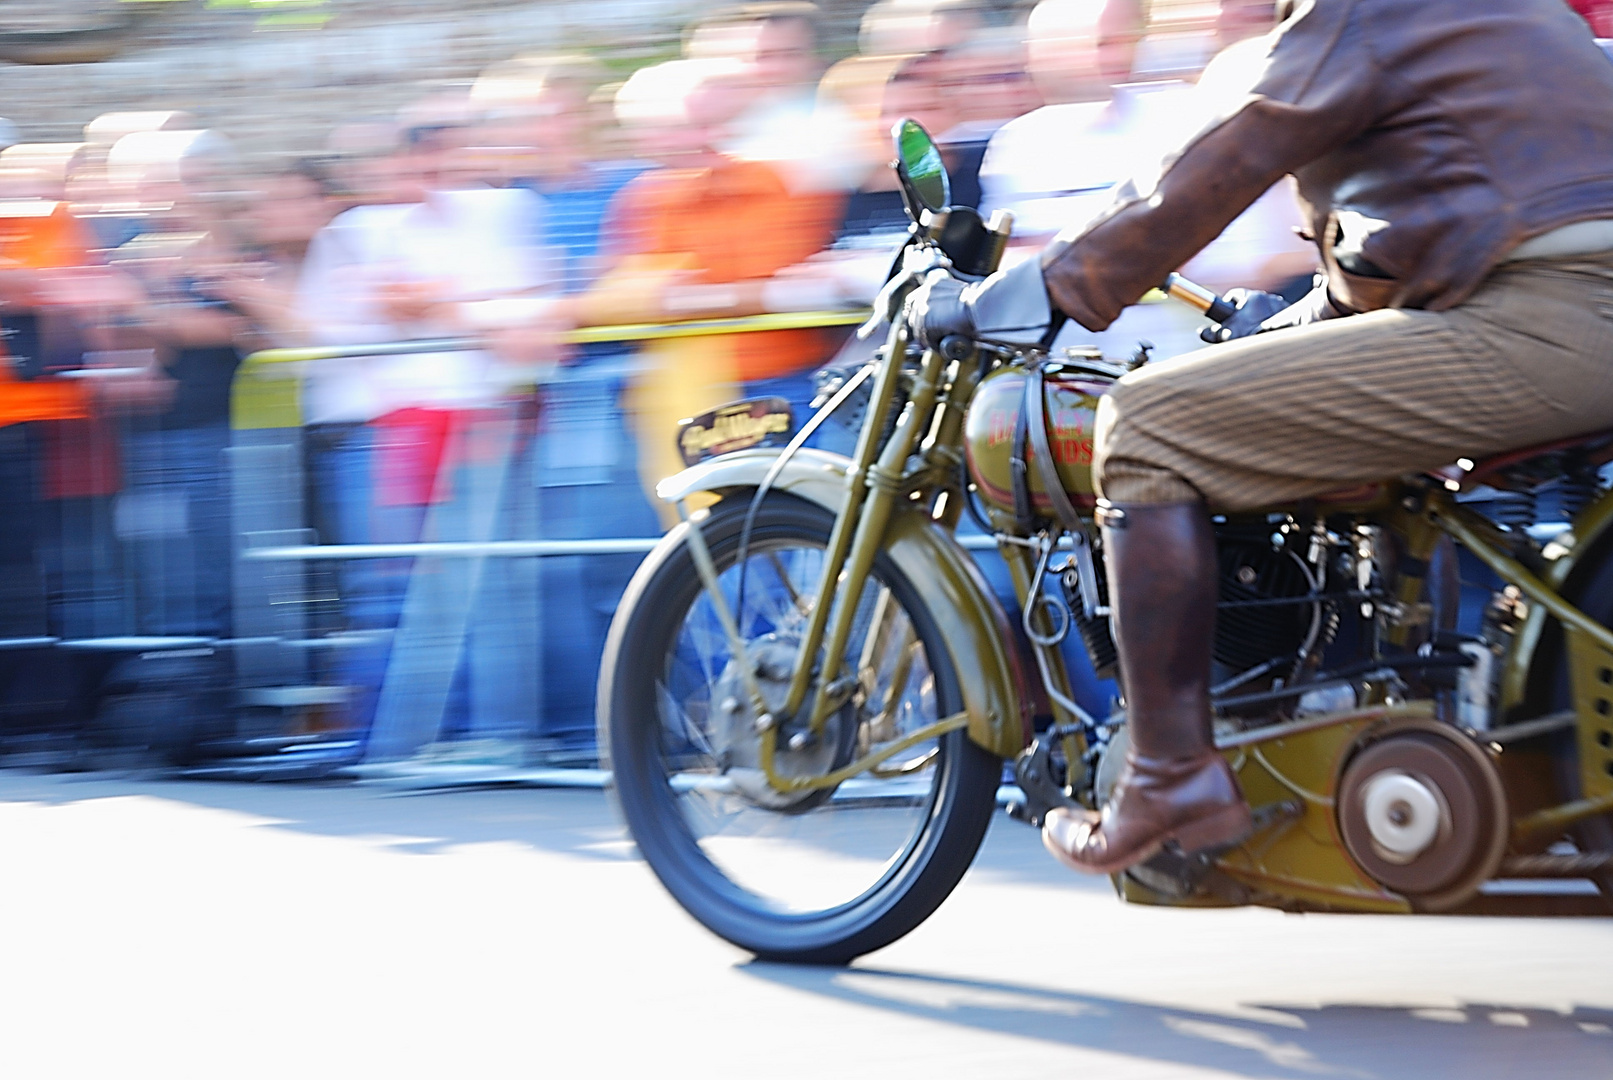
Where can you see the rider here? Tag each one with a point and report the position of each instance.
(1455, 161)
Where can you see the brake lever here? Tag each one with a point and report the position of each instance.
(886, 306)
(912, 265)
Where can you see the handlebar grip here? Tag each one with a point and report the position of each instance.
(1194, 295)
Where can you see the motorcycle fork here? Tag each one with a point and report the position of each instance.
(840, 540)
(872, 491)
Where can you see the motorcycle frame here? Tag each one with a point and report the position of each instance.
(917, 465)
(1590, 657)
(886, 486)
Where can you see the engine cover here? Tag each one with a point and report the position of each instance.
(1422, 811)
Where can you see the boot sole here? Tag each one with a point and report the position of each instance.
(1221, 829)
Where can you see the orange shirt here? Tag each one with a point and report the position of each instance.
(45, 399)
(39, 234)
(736, 221)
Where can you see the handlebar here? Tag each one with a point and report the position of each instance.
(1197, 296)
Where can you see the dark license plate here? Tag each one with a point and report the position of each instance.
(741, 425)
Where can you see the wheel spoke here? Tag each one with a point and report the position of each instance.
(813, 874)
(759, 839)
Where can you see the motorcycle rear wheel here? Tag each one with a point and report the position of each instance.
(825, 878)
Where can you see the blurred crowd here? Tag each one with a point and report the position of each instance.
(746, 176)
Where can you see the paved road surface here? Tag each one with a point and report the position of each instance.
(221, 931)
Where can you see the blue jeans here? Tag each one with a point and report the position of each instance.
(372, 590)
(586, 473)
(174, 515)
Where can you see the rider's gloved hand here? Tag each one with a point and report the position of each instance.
(1010, 306)
(1261, 312)
(1253, 309)
(1315, 306)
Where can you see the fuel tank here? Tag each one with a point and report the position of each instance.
(1070, 407)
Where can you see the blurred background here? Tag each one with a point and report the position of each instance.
(338, 372)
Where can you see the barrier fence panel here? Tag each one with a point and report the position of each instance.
(474, 633)
(282, 598)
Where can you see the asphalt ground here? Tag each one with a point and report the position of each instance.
(186, 929)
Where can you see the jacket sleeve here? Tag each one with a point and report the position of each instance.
(1311, 92)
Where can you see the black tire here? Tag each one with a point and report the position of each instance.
(643, 634)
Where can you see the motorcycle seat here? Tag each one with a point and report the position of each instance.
(1596, 445)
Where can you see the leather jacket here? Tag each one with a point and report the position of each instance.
(1428, 137)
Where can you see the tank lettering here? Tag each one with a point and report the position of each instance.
(1069, 442)
(1068, 437)
(1001, 426)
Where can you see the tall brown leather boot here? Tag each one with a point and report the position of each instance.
(1174, 786)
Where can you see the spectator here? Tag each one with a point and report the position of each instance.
(783, 121)
(706, 236)
(27, 394)
(895, 27)
(878, 92)
(174, 513)
(427, 266)
(868, 89)
(284, 214)
(988, 82)
(544, 111)
(55, 293)
(359, 155)
(958, 79)
(541, 107)
(451, 257)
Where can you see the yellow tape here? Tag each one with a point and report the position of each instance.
(262, 399)
(583, 335)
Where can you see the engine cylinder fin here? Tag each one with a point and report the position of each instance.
(1255, 571)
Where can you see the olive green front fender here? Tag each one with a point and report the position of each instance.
(971, 623)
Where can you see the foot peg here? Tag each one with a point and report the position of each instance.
(1259, 820)
(1180, 874)
(1033, 770)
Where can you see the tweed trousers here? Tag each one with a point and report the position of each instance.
(1284, 416)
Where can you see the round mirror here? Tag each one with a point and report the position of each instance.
(919, 164)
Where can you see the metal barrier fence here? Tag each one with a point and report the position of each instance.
(468, 636)
(514, 569)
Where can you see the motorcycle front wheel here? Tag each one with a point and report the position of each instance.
(816, 877)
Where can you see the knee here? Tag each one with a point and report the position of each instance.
(1128, 465)
(1112, 427)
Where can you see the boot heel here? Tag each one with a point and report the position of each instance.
(1225, 826)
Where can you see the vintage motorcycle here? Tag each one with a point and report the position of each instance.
(809, 691)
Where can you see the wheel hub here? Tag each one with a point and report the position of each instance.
(738, 739)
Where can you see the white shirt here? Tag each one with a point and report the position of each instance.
(1057, 167)
(470, 245)
(807, 140)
